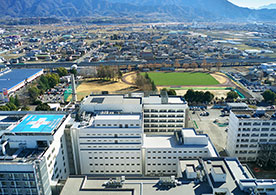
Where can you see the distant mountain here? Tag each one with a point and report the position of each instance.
(270, 6)
(173, 10)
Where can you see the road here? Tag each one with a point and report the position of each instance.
(225, 62)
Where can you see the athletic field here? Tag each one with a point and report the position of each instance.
(182, 78)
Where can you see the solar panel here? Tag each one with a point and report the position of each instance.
(97, 100)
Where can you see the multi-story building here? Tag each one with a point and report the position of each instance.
(110, 139)
(33, 154)
(163, 114)
(162, 152)
(249, 132)
(195, 176)
(109, 144)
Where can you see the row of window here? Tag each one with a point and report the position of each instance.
(255, 140)
(162, 110)
(115, 164)
(113, 171)
(117, 125)
(257, 135)
(114, 153)
(17, 176)
(164, 164)
(180, 151)
(163, 115)
(257, 123)
(158, 130)
(161, 171)
(163, 121)
(106, 146)
(111, 157)
(112, 140)
(112, 134)
(256, 129)
(163, 125)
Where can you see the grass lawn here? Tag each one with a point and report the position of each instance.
(182, 78)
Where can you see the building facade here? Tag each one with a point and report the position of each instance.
(33, 154)
(249, 131)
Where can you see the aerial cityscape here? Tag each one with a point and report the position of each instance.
(128, 97)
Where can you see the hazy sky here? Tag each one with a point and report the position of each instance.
(252, 3)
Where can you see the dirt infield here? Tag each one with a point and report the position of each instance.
(96, 86)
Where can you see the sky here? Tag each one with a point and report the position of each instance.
(252, 3)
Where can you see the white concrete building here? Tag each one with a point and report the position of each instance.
(33, 154)
(248, 131)
(162, 152)
(109, 144)
(163, 114)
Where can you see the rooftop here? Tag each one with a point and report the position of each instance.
(16, 76)
(118, 117)
(38, 123)
(111, 99)
(20, 155)
(82, 185)
(156, 99)
(255, 114)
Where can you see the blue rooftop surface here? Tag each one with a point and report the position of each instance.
(15, 77)
(38, 123)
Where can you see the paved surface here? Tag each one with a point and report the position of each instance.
(206, 124)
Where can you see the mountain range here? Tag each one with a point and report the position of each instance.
(270, 6)
(173, 10)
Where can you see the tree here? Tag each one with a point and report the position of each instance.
(11, 106)
(16, 101)
(176, 63)
(269, 96)
(171, 92)
(62, 71)
(43, 107)
(189, 95)
(198, 96)
(25, 108)
(4, 108)
(232, 95)
(34, 92)
(204, 64)
(208, 96)
(53, 79)
(218, 64)
(153, 86)
(74, 71)
(119, 74)
(194, 65)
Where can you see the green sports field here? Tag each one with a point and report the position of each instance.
(182, 78)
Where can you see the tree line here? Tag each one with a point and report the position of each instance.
(145, 83)
(108, 73)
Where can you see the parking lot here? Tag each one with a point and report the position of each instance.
(207, 125)
(55, 95)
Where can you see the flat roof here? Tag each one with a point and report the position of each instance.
(16, 76)
(117, 117)
(156, 99)
(82, 185)
(111, 99)
(230, 182)
(38, 123)
(255, 114)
